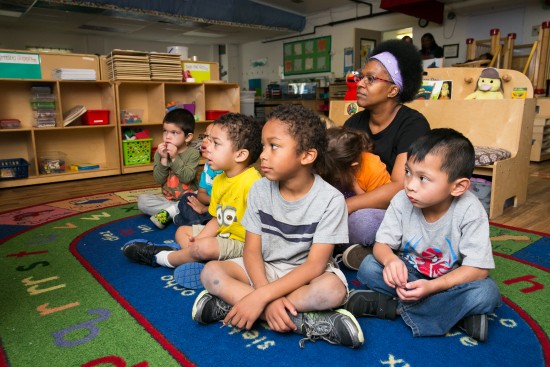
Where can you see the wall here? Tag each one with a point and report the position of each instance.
(519, 20)
(94, 44)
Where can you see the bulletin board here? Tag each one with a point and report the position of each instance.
(307, 56)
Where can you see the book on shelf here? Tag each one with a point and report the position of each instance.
(435, 89)
(72, 114)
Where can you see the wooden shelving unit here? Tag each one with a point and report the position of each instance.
(152, 97)
(540, 150)
(81, 143)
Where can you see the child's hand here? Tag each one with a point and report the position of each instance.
(196, 205)
(162, 150)
(395, 273)
(414, 291)
(276, 315)
(172, 150)
(245, 312)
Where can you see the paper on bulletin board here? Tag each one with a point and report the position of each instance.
(199, 72)
(20, 65)
(348, 60)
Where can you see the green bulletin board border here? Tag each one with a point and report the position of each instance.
(307, 56)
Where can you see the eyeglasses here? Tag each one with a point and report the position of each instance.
(370, 79)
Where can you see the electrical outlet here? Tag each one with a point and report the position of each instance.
(535, 31)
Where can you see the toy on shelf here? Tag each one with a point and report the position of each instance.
(488, 86)
(352, 78)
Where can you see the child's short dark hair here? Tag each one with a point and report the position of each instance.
(182, 119)
(410, 66)
(305, 126)
(456, 152)
(245, 133)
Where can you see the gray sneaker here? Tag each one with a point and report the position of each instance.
(354, 255)
(209, 308)
(371, 303)
(336, 327)
(476, 326)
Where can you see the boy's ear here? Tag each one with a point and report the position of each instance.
(309, 156)
(189, 137)
(241, 155)
(461, 185)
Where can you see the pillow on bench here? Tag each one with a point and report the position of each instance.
(488, 155)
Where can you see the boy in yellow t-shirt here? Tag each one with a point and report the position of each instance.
(235, 146)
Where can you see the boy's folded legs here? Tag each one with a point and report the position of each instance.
(335, 327)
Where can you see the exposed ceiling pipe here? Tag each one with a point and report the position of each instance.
(331, 24)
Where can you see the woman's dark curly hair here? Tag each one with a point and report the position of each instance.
(305, 126)
(410, 66)
(245, 133)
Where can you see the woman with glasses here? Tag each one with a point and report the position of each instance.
(390, 78)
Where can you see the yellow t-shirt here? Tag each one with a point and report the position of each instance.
(228, 202)
(372, 173)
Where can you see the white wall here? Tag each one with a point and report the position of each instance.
(456, 31)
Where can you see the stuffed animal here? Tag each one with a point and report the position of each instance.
(351, 81)
(488, 86)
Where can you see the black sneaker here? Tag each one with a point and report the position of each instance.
(209, 308)
(143, 252)
(336, 327)
(476, 326)
(371, 303)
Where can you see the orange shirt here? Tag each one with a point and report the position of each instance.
(372, 173)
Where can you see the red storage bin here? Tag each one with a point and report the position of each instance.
(215, 114)
(95, 117)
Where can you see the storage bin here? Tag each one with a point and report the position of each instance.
(52, 162)
(13, 168)
(215, 114)
(137, 151)
(95, 117)
(131, 116)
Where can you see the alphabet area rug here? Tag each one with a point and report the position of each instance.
(69, 297)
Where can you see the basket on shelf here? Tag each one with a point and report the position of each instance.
(137, 151)
(13, 168)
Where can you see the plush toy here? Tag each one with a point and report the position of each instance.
(351, 82)
(488, 86)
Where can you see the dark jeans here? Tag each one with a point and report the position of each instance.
(187, 216)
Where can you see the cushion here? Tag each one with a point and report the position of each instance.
(489, 155)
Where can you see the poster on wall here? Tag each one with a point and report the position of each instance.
(365, 48)
(348, 60)
(307, 56)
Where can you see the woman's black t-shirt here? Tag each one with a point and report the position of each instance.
(406, 127)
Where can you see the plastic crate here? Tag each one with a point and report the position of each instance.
(95, 117)
(13, 168)
(215, 114)
(136, 151)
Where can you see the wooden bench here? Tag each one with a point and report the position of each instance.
(505, 123)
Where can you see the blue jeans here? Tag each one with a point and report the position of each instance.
(187, 216)
(438, 313)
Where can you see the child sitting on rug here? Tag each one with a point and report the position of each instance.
(351, 167)
(432, 253)
(286, 275)
(175, 168)
(193, 208)
(235, 146)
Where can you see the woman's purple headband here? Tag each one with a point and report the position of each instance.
(392, 66)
